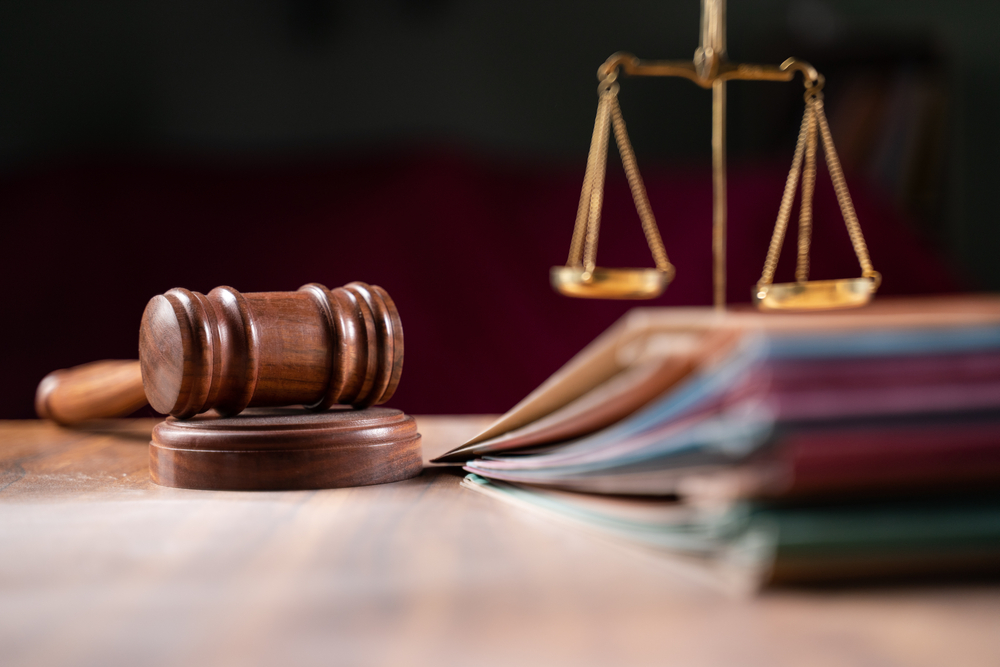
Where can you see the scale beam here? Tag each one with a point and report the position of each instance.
(723, 71)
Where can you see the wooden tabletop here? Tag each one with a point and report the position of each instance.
(98, 566)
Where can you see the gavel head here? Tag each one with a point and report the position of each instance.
(225, 350)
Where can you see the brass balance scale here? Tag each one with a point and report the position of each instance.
(581, 277)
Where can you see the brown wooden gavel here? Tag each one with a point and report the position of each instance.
(228, 351)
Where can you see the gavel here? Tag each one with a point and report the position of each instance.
(228, 351)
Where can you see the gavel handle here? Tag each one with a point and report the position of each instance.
(100, 389)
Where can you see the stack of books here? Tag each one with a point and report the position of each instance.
(771, 448)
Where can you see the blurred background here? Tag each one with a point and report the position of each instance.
(436, 148)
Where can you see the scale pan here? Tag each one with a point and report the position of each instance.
(610, 283)
(815, 294)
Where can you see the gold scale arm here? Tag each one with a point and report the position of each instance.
(710, 69)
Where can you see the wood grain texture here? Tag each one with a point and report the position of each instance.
(283, 449)
(99, 566)
(227, 351)
(98, 390)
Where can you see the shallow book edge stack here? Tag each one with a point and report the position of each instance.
(800, 447)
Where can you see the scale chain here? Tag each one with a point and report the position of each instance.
(785, 210)
(813, 122)
(808, 188)
(638, 188)
(583, 247)
(597, 184)
(843, 196)
(595, 161)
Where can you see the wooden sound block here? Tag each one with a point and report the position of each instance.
(271, 449)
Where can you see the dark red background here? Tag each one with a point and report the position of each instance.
(462, 243)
